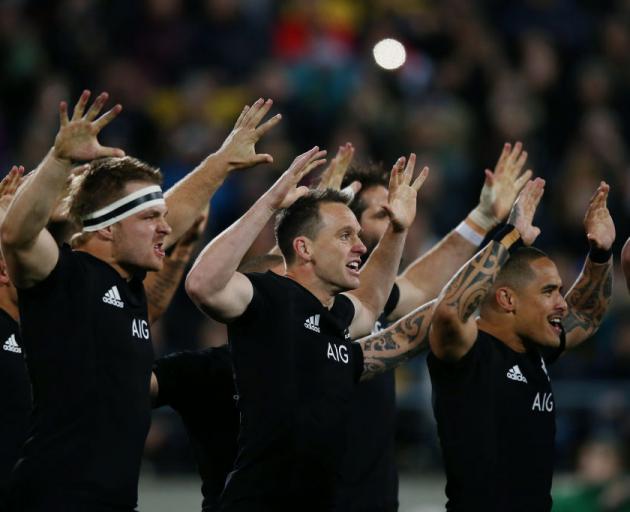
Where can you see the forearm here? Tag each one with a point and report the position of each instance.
(380, 270)
(161, 286)
(427, 275)
(587, 300)
(398, 343)
(34, 202)
(454, 328)
(220, 259)
(468, 288)
(189, 196)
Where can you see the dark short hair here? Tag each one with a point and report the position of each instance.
(517, 271)
(105, 181)
(302, 218)
(371, 175)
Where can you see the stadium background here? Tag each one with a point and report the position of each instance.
(554, 74)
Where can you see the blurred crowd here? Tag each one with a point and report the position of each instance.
(554, 74)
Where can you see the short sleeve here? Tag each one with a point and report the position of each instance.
(392, 302)
(453, 374)
(343, 310)
(68, 268)
(265, 291)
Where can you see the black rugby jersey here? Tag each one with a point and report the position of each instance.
(15, 399)
(295, 372)
(495, 415)
(199, 385)
(89, 354)
(368, 477)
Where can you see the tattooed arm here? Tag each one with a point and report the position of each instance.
(589, 297)
(454, 328)
(398, 343)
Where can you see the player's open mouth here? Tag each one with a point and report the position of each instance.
(353, 266)
(159, 251)
(556, 324)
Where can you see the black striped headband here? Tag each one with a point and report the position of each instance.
(123, 208)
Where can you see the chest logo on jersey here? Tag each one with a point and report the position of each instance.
(112, 297)
(312, 323)
(338, 353)
(11, 345)
(140, 329)
(543, 402)
(515, 373)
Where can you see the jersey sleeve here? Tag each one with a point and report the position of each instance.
(392, 302)
(455, 374)
(265, 293)
(67, 270)
(343, 310)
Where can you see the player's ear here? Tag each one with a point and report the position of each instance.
(106, 233)
(303, 248)
(506, 298)
(4, 276)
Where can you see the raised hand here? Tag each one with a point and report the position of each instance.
(285, 191)
(401, 201)
(239, 146)
(599, 226)
(333, 175)
(502, 186)
(9, 185)
(77, 137)
(11, 182)
(522, 214)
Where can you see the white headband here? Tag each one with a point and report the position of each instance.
(123, 208)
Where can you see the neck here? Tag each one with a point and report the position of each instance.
(307, 278)
(102, 250)
(503, 332)
(8, 304)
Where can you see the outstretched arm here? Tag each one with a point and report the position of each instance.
(398, 343)
(213, 283)
(425, 277)
(589, 297)
(189, 196)
(379, 272)
(30, 251)
(454, 329)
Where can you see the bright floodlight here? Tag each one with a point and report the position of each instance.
(389, 54)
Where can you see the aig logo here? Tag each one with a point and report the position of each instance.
(338, 353)
(543, 403)
(140, 329)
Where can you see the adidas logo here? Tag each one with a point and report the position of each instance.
(112, 297)
(11, 345)
(312, 323)
(514, 373)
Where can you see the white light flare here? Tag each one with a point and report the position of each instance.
(389, 54)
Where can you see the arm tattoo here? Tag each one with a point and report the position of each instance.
(588, 299)
(162, 287)
(470, 285)
(398, 343)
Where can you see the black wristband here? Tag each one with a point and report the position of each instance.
(509, 237)
(597, 255)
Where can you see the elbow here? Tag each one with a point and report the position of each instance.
(8, 235)
(445, 315)
(193, 287)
